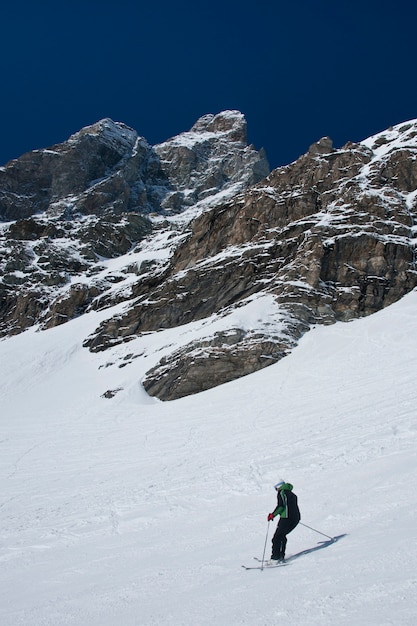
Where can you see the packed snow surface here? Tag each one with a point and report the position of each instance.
(132, 512)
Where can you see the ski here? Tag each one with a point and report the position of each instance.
(260, 561)
(292, 557)
(264, 567)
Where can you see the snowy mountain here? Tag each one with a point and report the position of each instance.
(139, 273)
(193, 230)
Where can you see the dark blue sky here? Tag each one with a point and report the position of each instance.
(298, 70)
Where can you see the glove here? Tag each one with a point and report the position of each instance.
(270, 517)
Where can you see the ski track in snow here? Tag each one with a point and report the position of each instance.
(136, 512)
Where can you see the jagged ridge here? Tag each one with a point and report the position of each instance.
(89, 199)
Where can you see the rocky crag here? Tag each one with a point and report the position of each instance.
(220, 239)
(93, 197)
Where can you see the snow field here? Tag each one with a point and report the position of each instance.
(134, 512)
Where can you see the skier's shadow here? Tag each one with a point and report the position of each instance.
(320, 546)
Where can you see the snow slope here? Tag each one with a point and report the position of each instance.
(132, 512)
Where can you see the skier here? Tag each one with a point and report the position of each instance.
(287, 509)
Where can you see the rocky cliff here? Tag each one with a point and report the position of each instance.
(67, 208)
(199, 230)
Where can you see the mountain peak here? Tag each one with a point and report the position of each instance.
(398, 136)
(110, 132)
(231, 123)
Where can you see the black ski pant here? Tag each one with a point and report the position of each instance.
(279, 540)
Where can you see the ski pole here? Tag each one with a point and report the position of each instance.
(317, 531)
(266, 539)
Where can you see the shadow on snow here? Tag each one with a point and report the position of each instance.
(320, 546)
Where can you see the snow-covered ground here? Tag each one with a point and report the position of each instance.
(132, 512)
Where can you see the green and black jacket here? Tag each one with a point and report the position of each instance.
(287, 505)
